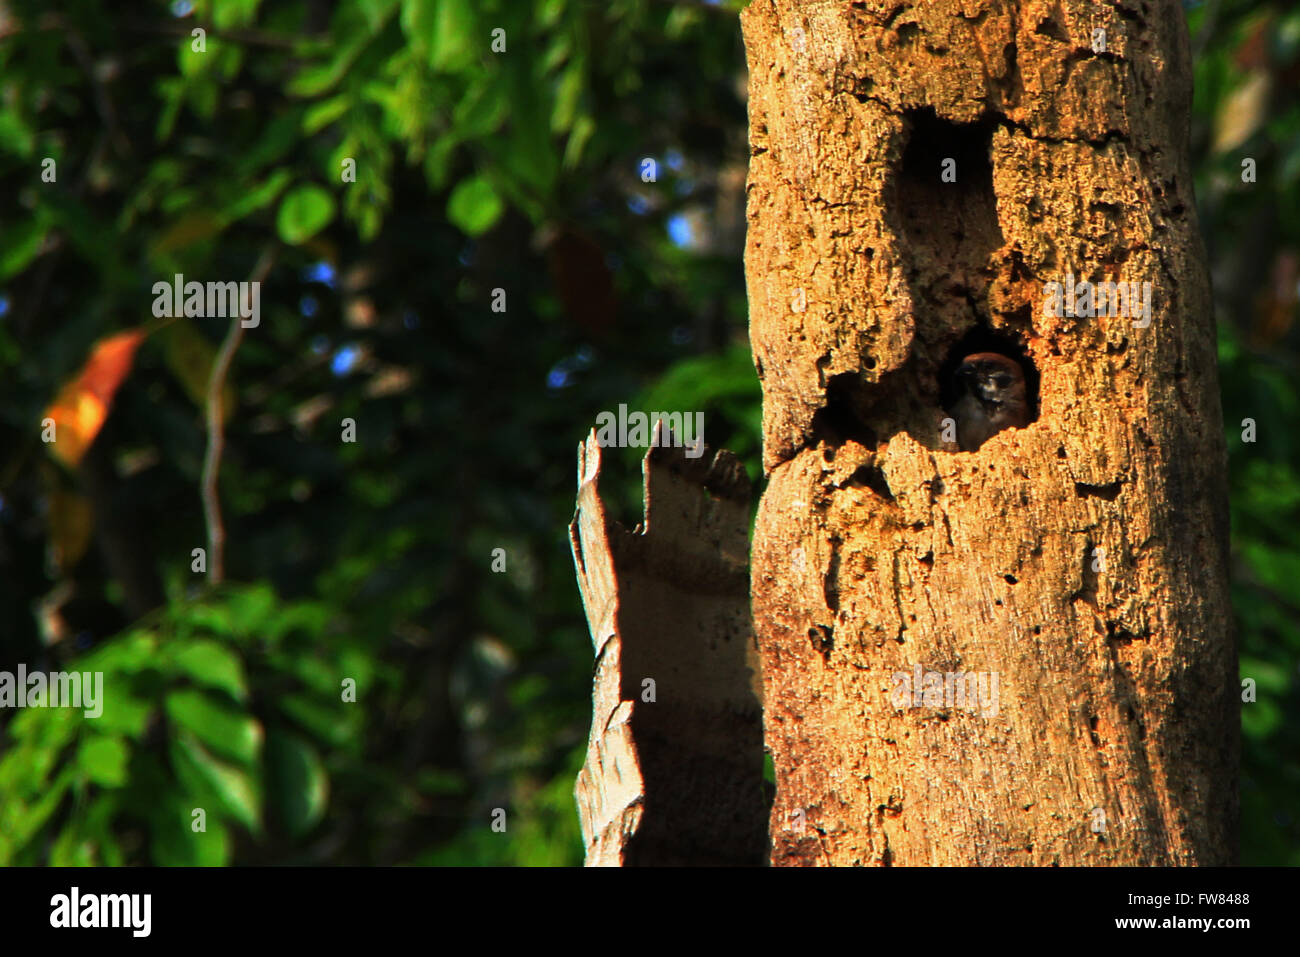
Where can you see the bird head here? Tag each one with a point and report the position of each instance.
(992, 378)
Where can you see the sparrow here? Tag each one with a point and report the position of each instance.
(992, 398)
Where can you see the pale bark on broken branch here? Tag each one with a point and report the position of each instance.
(674, 762)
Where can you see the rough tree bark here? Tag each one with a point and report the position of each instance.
(1081, 560)
(674, 768)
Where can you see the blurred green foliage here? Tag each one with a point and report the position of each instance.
(401, 170)
(230, 704)
(1247, 107)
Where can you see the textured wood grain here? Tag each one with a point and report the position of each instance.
(1080, 560)
(673, 776)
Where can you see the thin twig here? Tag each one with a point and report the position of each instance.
(216, 434)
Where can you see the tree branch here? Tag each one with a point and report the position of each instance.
(216, 434)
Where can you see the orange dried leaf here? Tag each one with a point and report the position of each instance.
(83, 403)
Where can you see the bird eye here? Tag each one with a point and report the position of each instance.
(1002, 380)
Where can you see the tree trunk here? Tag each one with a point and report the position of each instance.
(1021, 654)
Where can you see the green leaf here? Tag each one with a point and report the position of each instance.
(258, 197)
(567, 95)
(16, 134)
(171, 91)
(321, 78)
(129, 653)
(278, 138)
(437, 162)
(296, 781)
(123, 714)
(314, 673)
(548, 13)
(376, 12)
(320, 115)
(558, 52)
(23, 821)
(22, 243)
(303, 213)
(253, 610)
(230, 733)
(213, 665)
(474, 206)
(208, 779)
(1270, 678)
(175, 843)
(328, 724)
(303, 618)
(418, 19)
(214, 618)
(454, 41)
(49, 729)
(1260, 718)
(103, 760)
(191, 63)
(99, 836)
(480, 112)
(583, 128)
(227, 14)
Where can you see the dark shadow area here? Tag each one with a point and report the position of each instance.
(942, 206)
(950, 227)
